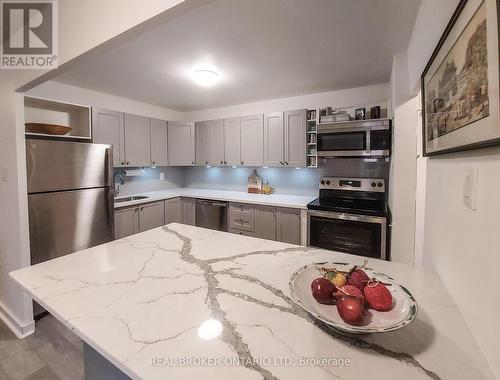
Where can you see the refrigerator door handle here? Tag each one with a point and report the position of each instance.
(111, 209)
(108, 157)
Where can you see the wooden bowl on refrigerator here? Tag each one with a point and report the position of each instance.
(48, 129)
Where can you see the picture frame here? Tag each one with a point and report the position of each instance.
(460, 83)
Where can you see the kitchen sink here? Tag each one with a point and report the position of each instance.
(129, 199)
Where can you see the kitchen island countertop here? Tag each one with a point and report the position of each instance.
(140, 301)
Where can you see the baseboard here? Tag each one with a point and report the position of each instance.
(19, 329)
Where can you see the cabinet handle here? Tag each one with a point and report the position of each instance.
(127, 163)
(136, 210)
(206, 162)
(242, 163)
(221, 162)
(142, 208)
(281, 162)
(121, 163)
(225, 162)
(192, 163)
(286, 162)
(154, 162)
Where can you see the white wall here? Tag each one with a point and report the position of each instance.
(82, 26)
(432, 18)
(360, 96)
(462, 245)
(71, 94)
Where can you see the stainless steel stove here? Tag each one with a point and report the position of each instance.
(351, 216)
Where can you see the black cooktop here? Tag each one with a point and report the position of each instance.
(350, 206)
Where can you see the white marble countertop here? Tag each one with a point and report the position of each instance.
(139, 302)
(279, 200)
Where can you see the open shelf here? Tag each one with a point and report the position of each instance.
(78, 117)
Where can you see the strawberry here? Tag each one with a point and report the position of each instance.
(378, 296)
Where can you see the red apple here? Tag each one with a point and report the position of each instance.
(358, 278)
(378, 296)
(322, 291)
(350, 309)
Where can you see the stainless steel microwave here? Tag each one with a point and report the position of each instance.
(360, 138)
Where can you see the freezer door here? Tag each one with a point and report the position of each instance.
(58, 165)
(69, 221)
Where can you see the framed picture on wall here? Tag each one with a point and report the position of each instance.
(460, 84)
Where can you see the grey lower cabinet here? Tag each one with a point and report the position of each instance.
(265, 222)
(126, 221)
(173, 210)
(151, 215)
(135, 219)
(288, 225)
(188, 211)
(137, 141)
(108, 127)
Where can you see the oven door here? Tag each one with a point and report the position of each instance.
(349, 233)
(342, 142)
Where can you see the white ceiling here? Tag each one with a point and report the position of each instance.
(262, 48)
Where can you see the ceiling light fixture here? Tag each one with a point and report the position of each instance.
(205, 77)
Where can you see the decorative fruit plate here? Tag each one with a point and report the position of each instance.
(356, 303)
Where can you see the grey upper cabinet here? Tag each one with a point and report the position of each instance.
(151, 215)
(216, 143)
(137, 140)
(265, 222)
(173, 211)
(273, 139)
(108, 128)
(232, 141)
(288, 225)
(252, 140)
(295, 138)
(188, 211)
(158, 142)
(126, 222)
(203, 141)
(181, 144)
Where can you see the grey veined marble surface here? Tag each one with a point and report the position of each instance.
(181, 302)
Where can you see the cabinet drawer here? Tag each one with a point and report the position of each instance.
(243, 233)
(239, 222)
(241, 210)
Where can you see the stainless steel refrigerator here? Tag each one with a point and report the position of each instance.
(70, 195)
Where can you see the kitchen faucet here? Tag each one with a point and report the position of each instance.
(121, 176)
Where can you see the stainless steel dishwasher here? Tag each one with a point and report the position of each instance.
(211, 214)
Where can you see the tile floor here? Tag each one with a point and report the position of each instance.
(53, 352)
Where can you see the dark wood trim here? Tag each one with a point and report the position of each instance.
(449, 27)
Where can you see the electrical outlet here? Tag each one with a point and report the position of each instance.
(162, 176)
(470, 187)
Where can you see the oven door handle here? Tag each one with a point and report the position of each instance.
(353, 217)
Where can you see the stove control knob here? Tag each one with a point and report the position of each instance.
(322, 182)
(379, 184)
(374, 184)
(328, 183)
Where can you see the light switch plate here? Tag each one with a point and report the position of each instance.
(471, 176)
(162, 176)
